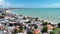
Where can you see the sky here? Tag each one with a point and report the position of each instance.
(30, 3)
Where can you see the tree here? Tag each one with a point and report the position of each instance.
(3, 15)
(59, 25)
(21, 28)
(36, 19)
(24, 18)
(44, 29)
(15, 31)
(44, 23)
(51, 32)
(35, 26)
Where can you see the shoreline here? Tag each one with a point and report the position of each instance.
(33, 17)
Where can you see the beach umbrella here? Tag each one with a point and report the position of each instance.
(20, 17)
(24, 20)
(3, 22)
(7, 11)
(12, 22)
(6, 18)
(27, 20)
(11, 18)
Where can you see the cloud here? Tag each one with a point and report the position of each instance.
(54, 5)
(4, 4)
(1, 0)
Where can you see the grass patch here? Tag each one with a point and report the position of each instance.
(56, 30)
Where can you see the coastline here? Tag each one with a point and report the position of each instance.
(33, 17)
(14, 19)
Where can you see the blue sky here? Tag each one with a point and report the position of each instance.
(30, 3)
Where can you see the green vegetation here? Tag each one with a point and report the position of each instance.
(44, 29)
(39, 33)
(52, 32)
(18, 31)
(3, 15)
(21, 28)
(56, 30)
(35, 26)
(15, 31)
(59, 25)
(44, 23)
(36, 19)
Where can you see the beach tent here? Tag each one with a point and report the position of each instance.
(24, 20)
(6, 18)
(12, 22)
(7, 11)
(3, 22)
(11, 19)
(20, 17)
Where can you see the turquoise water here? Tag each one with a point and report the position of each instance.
(52, 14)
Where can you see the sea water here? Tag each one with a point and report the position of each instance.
(51, 14)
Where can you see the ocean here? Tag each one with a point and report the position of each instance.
(50, 14)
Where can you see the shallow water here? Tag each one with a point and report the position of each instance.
(52, 14)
